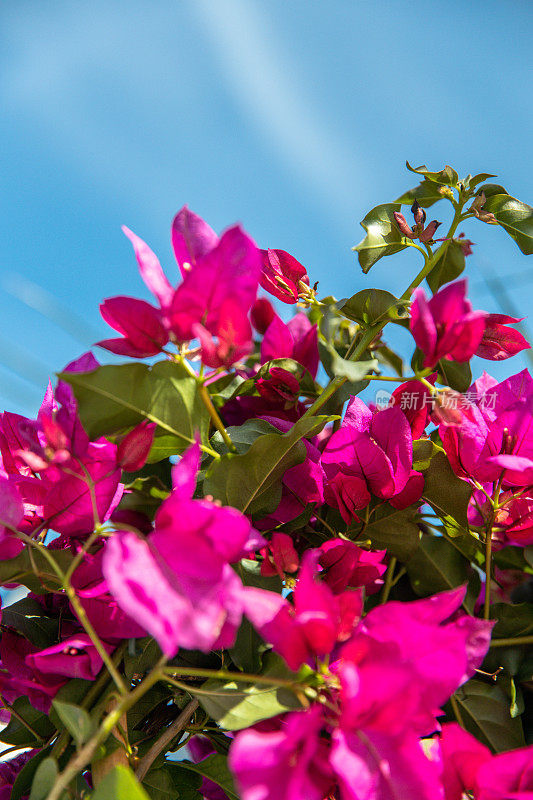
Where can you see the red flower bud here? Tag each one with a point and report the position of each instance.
(134, 448)
(262, 314)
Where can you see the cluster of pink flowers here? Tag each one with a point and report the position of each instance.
(373, 674)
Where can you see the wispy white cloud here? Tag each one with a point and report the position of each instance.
(265, 83)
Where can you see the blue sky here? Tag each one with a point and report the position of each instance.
(294, 118)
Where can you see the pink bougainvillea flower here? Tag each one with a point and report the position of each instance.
(287, 761)
(279, 556)
(347, 565)
(214, 271)
(11, 507)
(178, 583)
(229, 271)
(313, 626)
(283, 276)
(75, 657)
(233, 337)
(499, 341)
(9, 770)
(513, 521)
(461, 756)
(469, 766)
(446, 326)
(150, 269)
(370, 453)
(429, 660)
(51, 461)
(495, 437)
(141, 326)
(416, 402)
(377, 766)
(298, 339)
(192, 238)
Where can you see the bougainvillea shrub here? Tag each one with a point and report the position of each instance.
(242, 579)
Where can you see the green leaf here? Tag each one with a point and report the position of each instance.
(28, 565)
(16, 733)
(456, 375)
(354, 371)
(44, 779)
(215, 768)
(76, 720)
(447, 494)
(427, 193)
(24, 779)
(243, 436)
(28, 618)
(246, 653)
(251, 481)
(170, 784)
(512, 557)
(394, 530)
(382, 238)
(472, 181)
(237, 705)
(373, 305)
(485, 711)
(515, 217)
(513, 620)
(139, 659)
(114, 398)
(446, 176)
(436, 566)
(334, 364)
(119, 784)
(449, 264)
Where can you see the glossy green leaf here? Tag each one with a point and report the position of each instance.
(27, 616)
(119, 784)
(44, 779)
(436, 566)
(447, 494)
(76, 721)
(456, 375)
(172, 783)
(16, 733)
(26, 568)
(515, 217)
(334, 364)
(513, 620)
(215, 768)
(383, 238)
(243, 436)
(472, 180)
(512, 557)
(447, 176)
(373, 305)
(251, 481)
(114, 398)
(485, 711)
(449, 264)
(393, 530)
(237, 705)
(426, 193)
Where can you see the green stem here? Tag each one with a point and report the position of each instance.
(518, 640)
(217, 422)
(21, 719)
(80, 760)
(488, 566)
(95, 639)
(389, 575)
(222, 674)
(429, 260)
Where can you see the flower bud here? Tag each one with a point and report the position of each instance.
(262, 314)
(134, 448)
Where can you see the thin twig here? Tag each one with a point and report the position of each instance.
(162, 744)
